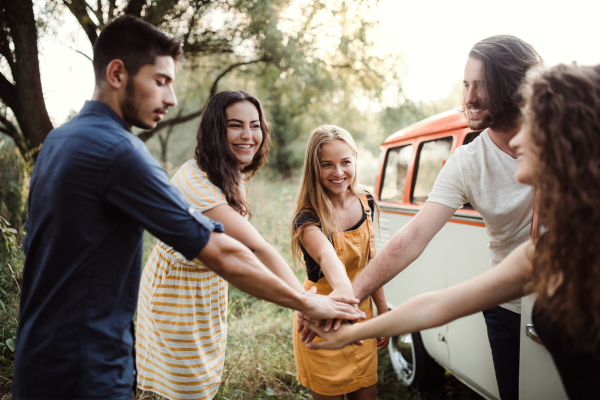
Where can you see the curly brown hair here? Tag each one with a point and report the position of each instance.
(212, 152)
(562, 115)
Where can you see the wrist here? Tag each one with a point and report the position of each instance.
(304, 304)
(359, 292)
(341, 283)
(353, 334)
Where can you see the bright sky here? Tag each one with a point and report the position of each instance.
(434, 37)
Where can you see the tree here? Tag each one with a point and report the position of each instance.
(308, 49)
(23, 96)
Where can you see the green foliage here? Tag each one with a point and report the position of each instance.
(14, 184)
(309, 61)
(14, 179)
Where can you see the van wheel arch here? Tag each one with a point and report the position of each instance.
(413, 366)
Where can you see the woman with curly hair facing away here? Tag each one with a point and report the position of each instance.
(182, 306)
(559, 153)
(333, 230)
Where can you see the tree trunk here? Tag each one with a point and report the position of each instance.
(27, 98)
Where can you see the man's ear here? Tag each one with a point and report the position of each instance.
(116, 74)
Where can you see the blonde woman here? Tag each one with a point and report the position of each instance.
(333, 232)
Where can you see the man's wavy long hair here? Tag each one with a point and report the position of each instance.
(312, 198)
(505, 61)
(562, 114)
(214, 156)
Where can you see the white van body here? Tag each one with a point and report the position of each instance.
(409, 163)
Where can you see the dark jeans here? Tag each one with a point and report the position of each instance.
(504, 328)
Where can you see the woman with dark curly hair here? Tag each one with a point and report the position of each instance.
(182, 307)
(559, 153)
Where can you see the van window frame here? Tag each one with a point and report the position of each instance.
(387, 206)
(417, 159)
(408, 168)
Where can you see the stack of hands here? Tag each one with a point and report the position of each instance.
(336, 333)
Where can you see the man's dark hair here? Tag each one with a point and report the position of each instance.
(506, 60)
(133, 41)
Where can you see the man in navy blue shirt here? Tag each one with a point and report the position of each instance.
(95, 188)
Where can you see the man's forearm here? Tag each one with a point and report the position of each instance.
(402, 249)
(240, 267)
(398, 254)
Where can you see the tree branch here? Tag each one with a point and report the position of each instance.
(79, 9)
(8, 92)
(13, 132)
(208, 46)
(180, 119)
(135, 7)
(5, 48)
(112, 5)
(213, 89)
(194, 19)
(173, 121)
(98, 13)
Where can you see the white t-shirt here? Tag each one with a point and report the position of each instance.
(483, 175)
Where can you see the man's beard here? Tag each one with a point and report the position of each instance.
(499, 122)
(130, 108)
(486, 121)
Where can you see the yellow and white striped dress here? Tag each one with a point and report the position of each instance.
(182, 311)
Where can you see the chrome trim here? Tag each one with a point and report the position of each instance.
(404, 369)
(532, 334)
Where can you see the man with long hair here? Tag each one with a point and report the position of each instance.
(94, 190)
(482, 174)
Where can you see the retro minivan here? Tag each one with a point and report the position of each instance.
(409, 163)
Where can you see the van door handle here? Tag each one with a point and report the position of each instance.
(532, 334)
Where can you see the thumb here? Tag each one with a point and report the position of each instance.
(316, 345)
(313, 289)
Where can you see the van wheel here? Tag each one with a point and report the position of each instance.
(413, 366)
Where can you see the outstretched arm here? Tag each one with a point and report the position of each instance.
(239, 266)
(323, 252)
(507, 281)
(240, 229)
(402, 249)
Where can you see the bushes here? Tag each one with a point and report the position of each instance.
(14, 185)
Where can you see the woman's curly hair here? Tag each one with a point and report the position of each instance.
(562, 115)
(213, 155)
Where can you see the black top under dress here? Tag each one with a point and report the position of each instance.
(313, 270)
(579, 370)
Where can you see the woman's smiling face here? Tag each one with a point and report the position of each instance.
(527, 153)
(243, 131)
(337, 167)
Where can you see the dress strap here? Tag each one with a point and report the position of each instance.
(365, 204)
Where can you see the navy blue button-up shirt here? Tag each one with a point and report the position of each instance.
(94, 189)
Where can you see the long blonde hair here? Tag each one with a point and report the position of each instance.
(312, 198)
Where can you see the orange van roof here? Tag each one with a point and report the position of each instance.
(446, 121)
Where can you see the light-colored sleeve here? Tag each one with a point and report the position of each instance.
(449, 187)
(197, 190)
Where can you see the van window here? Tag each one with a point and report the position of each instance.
(470, 137)
(431, 157)
(394, 176)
